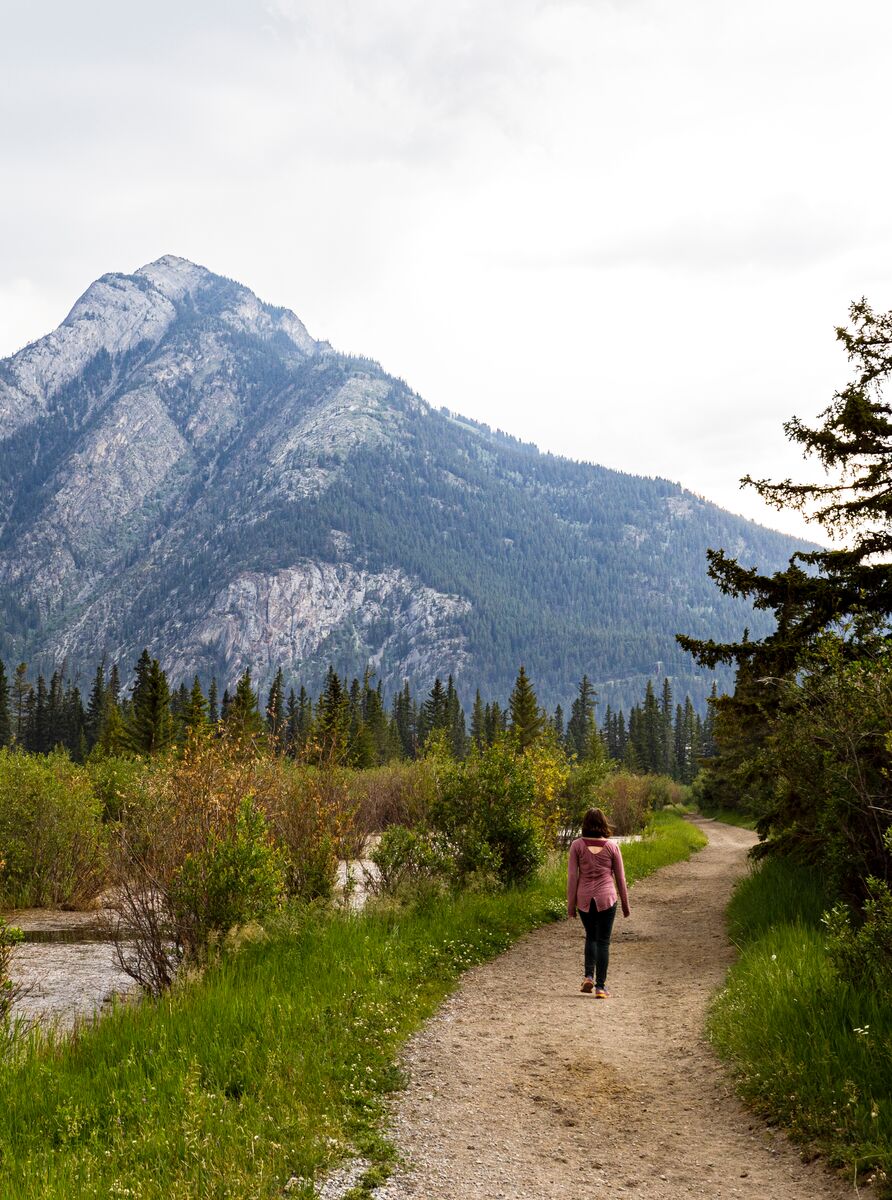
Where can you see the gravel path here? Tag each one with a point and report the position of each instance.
(521, 1088)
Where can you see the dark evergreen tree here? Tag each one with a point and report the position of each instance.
(526, 719)
(213, 707)
(150, 726)
(332, 726)
(455, 722)
(5, 715)
(96, 706)
(582, 720)
(478, 722)
(243, 718)
(434, 714)
(275, 710)
(21, 691)
(194, 714)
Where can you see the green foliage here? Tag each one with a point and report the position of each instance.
(827, 767)
(809, 1049)
(51, 834)
(527, 721)
(404, 857)
(861, 951)
(486, 810)
(237, 876)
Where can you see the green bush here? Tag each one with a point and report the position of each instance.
(404, 857)
(113, 780)
(51, 832)
(486, 810)
(236, 877)
(862, 952)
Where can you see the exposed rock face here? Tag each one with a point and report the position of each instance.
(401, 628)
(184, 467)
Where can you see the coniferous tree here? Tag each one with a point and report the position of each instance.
(332, 726)
(455, 722)
(667, 737)
(405, 718)
(150, 727)
(213, 707)
(478, 722)
(434, 714)
(194, 715)
(582, 719)
(243, 718)
(21, 690)
(526, 719)
(5, 716)
(96, 706)
(275, 710)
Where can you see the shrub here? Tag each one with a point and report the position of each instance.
(234, 878)
(50, 830)
(582, 791)
(486, 810)
(627, 800)
(9, 937)
(192, 855)
(313, 819)
(403, 857)
(862, 954)
(398, 794)
(113, 780)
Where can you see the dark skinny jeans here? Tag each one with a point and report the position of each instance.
(598, 928)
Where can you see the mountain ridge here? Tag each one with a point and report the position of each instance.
(183, 466)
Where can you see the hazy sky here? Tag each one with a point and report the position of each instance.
(622, 229)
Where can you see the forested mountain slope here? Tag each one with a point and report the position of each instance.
(183, 467)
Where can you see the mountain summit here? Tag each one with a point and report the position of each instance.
(184, 467)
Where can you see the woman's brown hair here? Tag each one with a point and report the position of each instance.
(594, 824)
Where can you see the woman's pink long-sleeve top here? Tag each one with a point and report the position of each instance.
(595, 872)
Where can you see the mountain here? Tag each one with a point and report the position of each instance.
(184, 467)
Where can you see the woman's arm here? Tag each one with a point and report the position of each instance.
(620, 876)
(572, 880)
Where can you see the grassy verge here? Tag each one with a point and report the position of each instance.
(809, 1051)
(274, 1065)
(730, 816)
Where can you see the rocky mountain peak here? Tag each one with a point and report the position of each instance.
(183, 467)
(175, 277)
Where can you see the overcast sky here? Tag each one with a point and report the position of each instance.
(622, 229)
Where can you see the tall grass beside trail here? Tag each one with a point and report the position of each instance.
(810, 1052)
(273, 1065)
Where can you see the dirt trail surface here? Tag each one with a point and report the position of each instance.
(522, 1088)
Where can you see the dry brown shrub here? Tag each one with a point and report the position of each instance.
(204, 835)
(313, 817)
(397, 794)
(626, 799)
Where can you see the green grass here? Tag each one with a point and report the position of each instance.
(275, 1064)
(809, 1051)
(730, 816)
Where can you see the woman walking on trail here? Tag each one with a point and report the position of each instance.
(595, 879)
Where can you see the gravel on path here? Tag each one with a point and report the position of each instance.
(522, 1088)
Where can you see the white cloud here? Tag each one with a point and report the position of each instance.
(622, 229)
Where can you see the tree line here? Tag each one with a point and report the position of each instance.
(350, 721)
